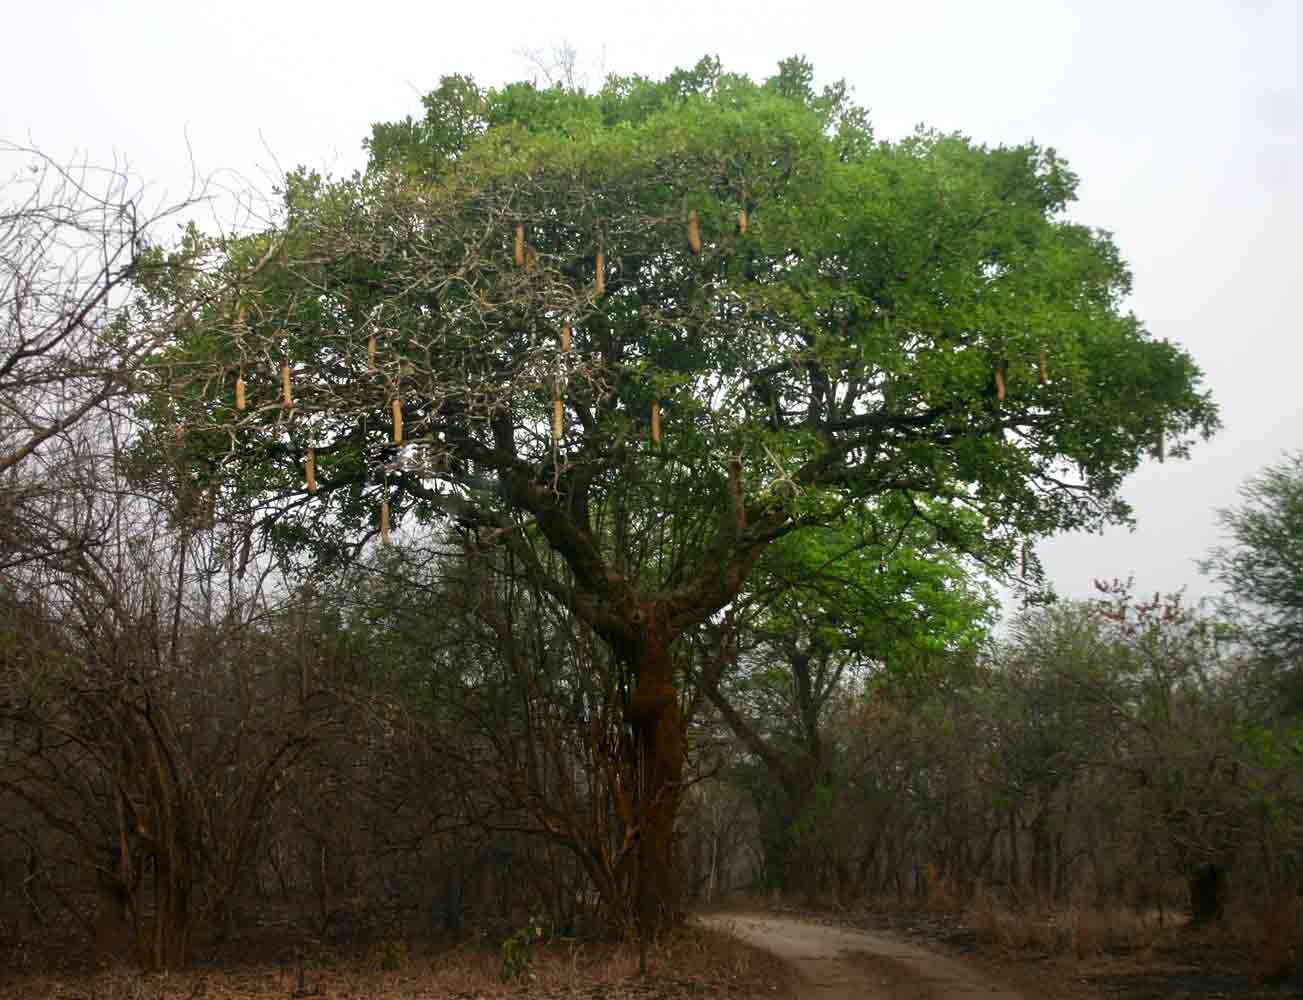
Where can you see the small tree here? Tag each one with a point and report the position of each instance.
(823, 611)
(1262, 568)
(654, 330)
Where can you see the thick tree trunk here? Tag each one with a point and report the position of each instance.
(658, 744)
(173, 919)
(1206, 893)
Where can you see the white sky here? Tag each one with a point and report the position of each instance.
(1183, 119)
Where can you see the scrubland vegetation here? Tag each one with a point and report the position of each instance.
(589, 513)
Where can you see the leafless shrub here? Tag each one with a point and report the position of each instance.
(72, 238)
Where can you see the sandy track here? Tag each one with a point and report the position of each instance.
(833, 963)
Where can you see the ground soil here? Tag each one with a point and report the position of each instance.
(837, 963)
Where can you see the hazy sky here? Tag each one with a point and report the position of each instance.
(1184, 121)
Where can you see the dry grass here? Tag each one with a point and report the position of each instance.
(1264, 933)
(1077, 930)
(943, 896)
(1252, 951)
(689, 963)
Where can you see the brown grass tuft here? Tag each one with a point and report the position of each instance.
(943, 896)
(1084, 932)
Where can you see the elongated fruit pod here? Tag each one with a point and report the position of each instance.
(558, 419)
(384, 521)
(520, 244)
(599, 271)
(240, 400)
(565, 339)
(1024, 558)
(999, 383)
(397, 407)
(694, 231)
(1045, 368)
(371, 353)
(656, 421)
(310, 469)
(743, 221)
(287, 389)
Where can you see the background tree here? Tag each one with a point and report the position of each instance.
(71, 239)
(1262, 568)
(1131, 751)
(690, 318)
(824, 612)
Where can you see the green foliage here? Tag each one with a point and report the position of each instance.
(454, 116)
(875, 585)
(389, 954)
(518, 950)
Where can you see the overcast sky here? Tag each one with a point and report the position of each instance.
(1184, 121)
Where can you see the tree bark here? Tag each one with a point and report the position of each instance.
(173, 916)
(657, 726)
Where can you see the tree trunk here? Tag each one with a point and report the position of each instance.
(1015, 863)
(1041, 861)
(173, 919)
(112, 929)
(1206, 896)
(658, 743)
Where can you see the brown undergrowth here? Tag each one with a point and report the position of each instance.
(1255, 942)
(688, 963)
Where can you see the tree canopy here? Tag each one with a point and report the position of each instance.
(819, 318)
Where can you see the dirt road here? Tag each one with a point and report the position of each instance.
(836, 964)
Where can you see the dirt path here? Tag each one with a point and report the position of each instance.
(836, 964)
